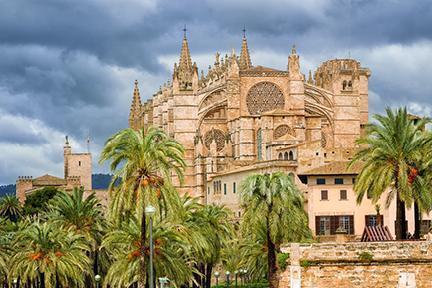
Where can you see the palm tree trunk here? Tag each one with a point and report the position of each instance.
(400, 224)
(271, 259)
(208, 275)
(417, 220)
(143, 273)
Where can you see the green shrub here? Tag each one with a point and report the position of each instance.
(282, 259)
(365, 256)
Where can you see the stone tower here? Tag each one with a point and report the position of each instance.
(77, 165)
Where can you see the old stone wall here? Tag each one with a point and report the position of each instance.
(378, 265)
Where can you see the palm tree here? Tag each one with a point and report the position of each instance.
(171, 252)
(274, 201)
(47, 254)
(390, 153)
(215, 227)
(144, 163)
(10, 208)
(81, 215)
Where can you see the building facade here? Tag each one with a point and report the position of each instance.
(239, 119)
(77, 173)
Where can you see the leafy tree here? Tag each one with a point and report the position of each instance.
(145, 161)
(47, 254)
(37, 202)
(273, 200)
(391, 152)
(10, 208)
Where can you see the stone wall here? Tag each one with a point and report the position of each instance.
(378, 265)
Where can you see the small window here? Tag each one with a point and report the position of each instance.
(225, 189)
(234, 188)
(286, 156)
(280, 156)
(79, 163)
(291, 156)
(324, 195)
(353, 180)
(343, 195)
(239, 213)
(339, 181)
(208, 190)
(320, 181)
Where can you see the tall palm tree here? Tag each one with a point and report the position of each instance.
(273, 200)
(390, 152)
(215, 226)
(48, 254)
(10, 208)
(144, 162)
(82, 215)
(170, 253)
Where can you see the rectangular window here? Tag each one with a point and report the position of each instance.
(343, 195)
(239, 213)
(324, 195)
(339, 181)
(322, 225)
(353, 180)
(320, 181)
(79, 163)
(234, 187)
(225, 190)
(374, 220)
(327, 225)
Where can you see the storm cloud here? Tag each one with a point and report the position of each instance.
(67, 67)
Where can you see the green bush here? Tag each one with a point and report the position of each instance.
(282, 259)
(365, 256)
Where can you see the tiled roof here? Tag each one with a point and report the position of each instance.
(48, 180)
(335, 168)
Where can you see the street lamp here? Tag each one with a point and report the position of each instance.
(217, 274)
(235, 274)
(163, 281)
(15, 283)
(97, 279)
(227, 273)
(150, 211)
(245, 276)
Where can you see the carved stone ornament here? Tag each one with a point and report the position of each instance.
(264, 96)
(215, 135)
(323, 140)
(282, 130)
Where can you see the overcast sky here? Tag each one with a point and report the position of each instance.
(67, 67)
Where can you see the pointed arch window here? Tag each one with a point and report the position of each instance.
(291, 156)
(259, 144)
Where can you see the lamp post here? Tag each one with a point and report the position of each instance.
(163, 281)
(245, 276)
(15, 283)
(150, 211)
(227, 273)
(97, 279)
(217, 274)
(235, 274)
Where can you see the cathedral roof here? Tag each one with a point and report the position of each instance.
(49, 180)
(335, 168)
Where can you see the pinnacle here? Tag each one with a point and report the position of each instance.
(245, 61)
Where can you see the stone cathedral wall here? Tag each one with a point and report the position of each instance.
(361, 265)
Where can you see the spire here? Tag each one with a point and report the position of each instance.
(185, 69)
(185, 62)
(245, 61)
(310, 79)
(135, 107)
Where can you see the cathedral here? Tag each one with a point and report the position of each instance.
(241, 118)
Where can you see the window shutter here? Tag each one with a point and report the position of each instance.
(317, 225)
(334, 223)
(351, 224)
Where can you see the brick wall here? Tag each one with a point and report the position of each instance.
(378, 265)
